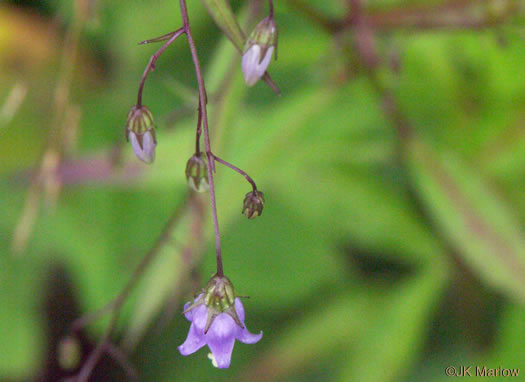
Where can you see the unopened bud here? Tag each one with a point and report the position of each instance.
(253, 204)
(140, 130)
(197, 173)
(258, 50)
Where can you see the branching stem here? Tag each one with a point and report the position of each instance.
(151, 65)
(204, 115)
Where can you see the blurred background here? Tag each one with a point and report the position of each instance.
(392, 243)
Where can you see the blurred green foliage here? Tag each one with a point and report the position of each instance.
(379, 257)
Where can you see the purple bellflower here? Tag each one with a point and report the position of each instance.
(217, 320)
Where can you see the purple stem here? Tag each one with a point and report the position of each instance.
(199, 131)
(236, 169)
(203, 113)
(151, 64)
(270, 8)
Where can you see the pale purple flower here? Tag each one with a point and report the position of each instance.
(221, 334)
(143, 146)
(253, 65)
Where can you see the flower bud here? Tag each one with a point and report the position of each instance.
(253, 204)
(197, 173)
(258, 50)
(140, 130)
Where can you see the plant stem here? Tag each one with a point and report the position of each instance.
(204, 116)
(151, 64)
(199, 131)
(236, 169)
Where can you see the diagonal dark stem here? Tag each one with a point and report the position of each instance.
(204, 116)
(115, 306)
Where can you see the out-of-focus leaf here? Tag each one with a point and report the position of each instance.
(313, 337)
(367, 205)
(225, 19)
(286, 244)
(472, 217)
(21, 339)
(165, 273)
(509, 345)
(395, 334)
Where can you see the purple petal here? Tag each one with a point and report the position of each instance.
(136, 146)
(188, 313)
(252, 66)
(239, 308)
(221, 338)
(200, 317)
(149, 144)
(244, 335)
(146, 152)
(249, 338)
(263, 65)
(194, 341)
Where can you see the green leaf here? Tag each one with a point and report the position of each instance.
(338, 321)
(392, 339)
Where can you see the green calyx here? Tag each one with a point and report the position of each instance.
(264, 34)
(219, 293)
(253, 204)
(140, 120)
(197, 173)
(219, 297)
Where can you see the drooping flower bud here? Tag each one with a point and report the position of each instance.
(140, 130)
(217, 320)
(253, 204)
(258, 50)
(197, 173)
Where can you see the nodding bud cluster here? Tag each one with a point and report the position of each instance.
(140, 130)
(253, 204)
(197, 173)
(258, 50)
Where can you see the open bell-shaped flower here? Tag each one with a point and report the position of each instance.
(217, 320)
(140, 130)
(258, 50)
